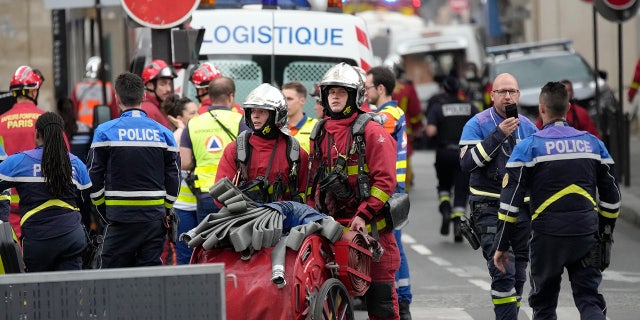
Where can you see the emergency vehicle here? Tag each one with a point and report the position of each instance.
(254, 46)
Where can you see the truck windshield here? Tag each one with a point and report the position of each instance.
(249, 71)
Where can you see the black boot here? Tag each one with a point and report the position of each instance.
(405, 313)
(445, 210)
(457, 234)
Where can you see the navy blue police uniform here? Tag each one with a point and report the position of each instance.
(449, 114)
(485, 151)
(53, 237)
(135, 168)
(574, 195)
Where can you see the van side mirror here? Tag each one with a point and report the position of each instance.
(101, 114)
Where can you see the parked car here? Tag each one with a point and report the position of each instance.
(535, 64)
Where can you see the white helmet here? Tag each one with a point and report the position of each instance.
(346, 76)
(93, 67)
(267, 97)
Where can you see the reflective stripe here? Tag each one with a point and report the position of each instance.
(4, 197)
(573, 188)
(634, 85)
(402, 283)
(135, 194)
(457, 214)
(152, 144)
(610, 215)
(611, 206)
(155, 202)
(505, 300)
(15, 198)
(504, 217)
(352, 170)
(509, 208)
(483, 153)
(477, 192)
(379, 194)
(98, 201)
(380, 224)
(99, 193)
(49, 203)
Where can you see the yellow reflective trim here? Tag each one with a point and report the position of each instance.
(401, 177)
(47, 204)
(483, 153)
(351, 170)
(15, 198)
(610, 215)
(483, 193)
(634, 85)
(504, 217)
(98, 202)
(457, 214)
(445, 198)
(573, 188)
(402, 164)
(155, 202)
(505, 300)
(527, 199)
(168, 205)
(4, 197)
(379, 194)
(380, 224)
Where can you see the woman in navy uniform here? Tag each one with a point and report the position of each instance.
(51, 183)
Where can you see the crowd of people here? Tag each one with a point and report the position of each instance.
(161, 153)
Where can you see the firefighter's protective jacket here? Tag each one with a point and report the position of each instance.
(134, 165)
(571, 179)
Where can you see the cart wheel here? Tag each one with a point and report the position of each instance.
(332, 302)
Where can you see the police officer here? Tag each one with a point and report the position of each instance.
(574, 200)
(447, 115)
(337, 189)
(487, 141)
(300, 125)
(379, 85)
(87, 94)
(263, 166)
(50, 181)
(204, 139)
(17, 126)
(577, 116)
(135, 170)
(158, 81)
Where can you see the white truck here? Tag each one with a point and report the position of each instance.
(253, 46)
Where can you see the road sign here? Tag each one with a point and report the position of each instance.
(617, 10)
(457, 6)
(159, 14)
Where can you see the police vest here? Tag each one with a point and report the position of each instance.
(304, 133)
(455, 115)
(210, 133)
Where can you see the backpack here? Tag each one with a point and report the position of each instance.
(243, 151)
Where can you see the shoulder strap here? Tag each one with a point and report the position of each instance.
(317, 130)
(361, 122)
(293, 156)
(357, 131)
(243, 149)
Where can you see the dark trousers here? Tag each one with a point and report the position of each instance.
(56, 254)
(450, 176)
(550, 255)
(187, 222)
(506, 288)
(133, 244)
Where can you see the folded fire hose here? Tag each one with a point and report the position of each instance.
(246, 227)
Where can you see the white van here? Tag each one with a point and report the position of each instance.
(253, 46)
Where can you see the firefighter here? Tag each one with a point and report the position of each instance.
(379, 84)
(88, 93)
(575, 202)
(446, 118)
(486, 142)
(50, 181)
(158, 81)
(204, 139)
(134, 165)
(356, 199)
(300, 125)
(263, 167)
(17, 126)
(200, 78)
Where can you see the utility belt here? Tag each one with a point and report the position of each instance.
(260, 190)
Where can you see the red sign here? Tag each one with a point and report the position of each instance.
(457, 6)
(159, 14)
(617, 10)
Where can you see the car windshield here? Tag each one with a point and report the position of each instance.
(534, 73)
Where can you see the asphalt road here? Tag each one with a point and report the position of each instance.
(450, 280)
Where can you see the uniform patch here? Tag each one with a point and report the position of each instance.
(381, 139)
(214, 144)
(505, 180)
(463, 151)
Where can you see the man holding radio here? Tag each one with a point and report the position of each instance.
(486, 143)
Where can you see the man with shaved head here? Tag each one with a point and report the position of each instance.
(486, 144)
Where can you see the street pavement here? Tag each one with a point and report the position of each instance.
(630, 194)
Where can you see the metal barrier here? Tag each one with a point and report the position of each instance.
(177, 292)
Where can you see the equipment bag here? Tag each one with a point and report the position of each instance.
(10, 253)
